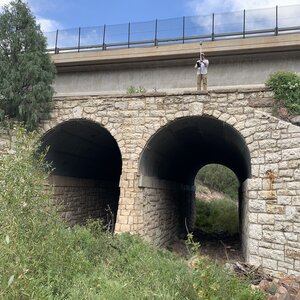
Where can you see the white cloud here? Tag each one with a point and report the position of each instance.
(203, 7)
(47, 25)
(3, 2)
(260, 14)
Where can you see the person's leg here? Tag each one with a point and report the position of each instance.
(204, 78)
(198, 82)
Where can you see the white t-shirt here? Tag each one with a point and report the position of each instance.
(203, 66)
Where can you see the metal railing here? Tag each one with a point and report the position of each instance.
(240, 24)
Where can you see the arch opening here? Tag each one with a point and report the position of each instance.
(217, 212)
(169, 164)
(87, 165)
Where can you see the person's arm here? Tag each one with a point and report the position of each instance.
(206, 62)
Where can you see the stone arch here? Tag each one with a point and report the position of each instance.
(87, 166)
(170, 161)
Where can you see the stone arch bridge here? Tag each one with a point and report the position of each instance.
(139, 154)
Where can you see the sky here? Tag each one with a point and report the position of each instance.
(64, 14)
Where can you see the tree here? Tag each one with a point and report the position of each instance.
(26, 70)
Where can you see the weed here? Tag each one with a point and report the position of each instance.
(136, 90)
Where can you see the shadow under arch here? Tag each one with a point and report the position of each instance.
(170, 161)
(87, 166)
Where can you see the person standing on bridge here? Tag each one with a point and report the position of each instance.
(202, 66)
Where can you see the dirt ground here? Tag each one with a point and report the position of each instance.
(219, 248)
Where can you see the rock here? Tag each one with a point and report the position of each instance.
(283, 112)
(294, 288)
(296, 120)
(281, 290)
(229, 267)
(286, 281)
(264, 285)
(285, 297)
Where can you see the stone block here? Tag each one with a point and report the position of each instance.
(293, 252)
(269, 263)
(255, 231)
(257, 206)
(266, 218)
(271, 253)
(274, 237)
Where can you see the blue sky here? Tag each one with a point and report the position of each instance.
(59, 14)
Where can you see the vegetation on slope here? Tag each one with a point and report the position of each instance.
(217, 216)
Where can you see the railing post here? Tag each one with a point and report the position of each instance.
(213, 28)
(79, 32)
(129, 35)
(244, 24)
(103, 42)
(155, 34)
(276, 26)
(183, 29)
(56, 40)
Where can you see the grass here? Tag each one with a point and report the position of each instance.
(42, 258)
(217, 217)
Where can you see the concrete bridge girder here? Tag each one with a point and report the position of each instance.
(233, 62)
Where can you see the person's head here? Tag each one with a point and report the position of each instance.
(202, 55)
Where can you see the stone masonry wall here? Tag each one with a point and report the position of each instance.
(84, 199)
(272, 194)
(161, 214)
(167, 210)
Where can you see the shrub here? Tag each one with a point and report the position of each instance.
(217, 217)
(214, 283)
(286, 87)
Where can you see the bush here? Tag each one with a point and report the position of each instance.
(286, 87)
(217, 217)
(214, 283)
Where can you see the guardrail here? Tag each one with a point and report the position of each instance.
(240, 24)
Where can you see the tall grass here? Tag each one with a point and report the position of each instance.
(217, 217)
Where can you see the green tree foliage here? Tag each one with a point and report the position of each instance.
(286, 87)
(26, 70)
(219, 178)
